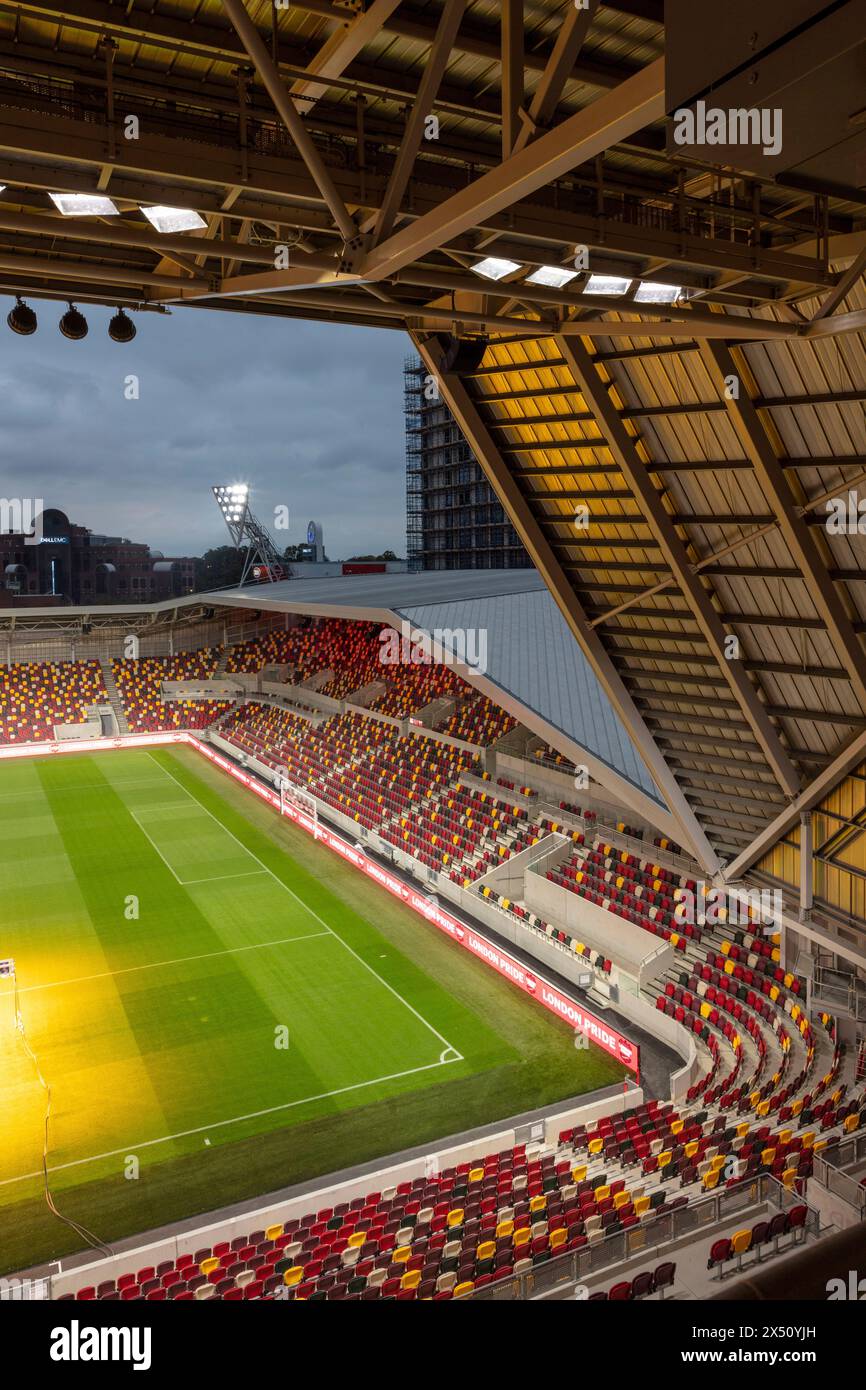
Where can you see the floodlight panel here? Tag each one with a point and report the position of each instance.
(495, 267)
(554, 276)
(606, 284)
(83, 204)
(654, 292)
(167, 219)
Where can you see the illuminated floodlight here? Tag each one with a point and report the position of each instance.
(166, 219)
(654, 292)
(495, 267)
(232, 500)
(606, 284)
(83, 204)
(555, 276)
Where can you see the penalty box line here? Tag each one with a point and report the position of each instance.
(178, 960)
(449, 1047)
(235, 1120)
(189, 882)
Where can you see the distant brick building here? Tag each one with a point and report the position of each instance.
(65, 563)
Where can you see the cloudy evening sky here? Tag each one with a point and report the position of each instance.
(310, 414)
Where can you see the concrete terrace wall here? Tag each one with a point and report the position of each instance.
(508, 877)
(611, 935)
(668, 1031)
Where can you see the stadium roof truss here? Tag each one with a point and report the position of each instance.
(358, 162)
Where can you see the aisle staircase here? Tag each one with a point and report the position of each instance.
(114, 697)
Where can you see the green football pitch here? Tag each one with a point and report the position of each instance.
(221, 1007)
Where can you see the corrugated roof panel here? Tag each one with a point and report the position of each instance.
(533, 655)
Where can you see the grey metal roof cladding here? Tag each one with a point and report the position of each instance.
(383, 590)
(532, 655)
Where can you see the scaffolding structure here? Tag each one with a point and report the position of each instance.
(453, 518)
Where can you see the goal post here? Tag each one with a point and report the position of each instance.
(297, 803)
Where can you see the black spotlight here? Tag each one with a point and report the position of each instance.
(121, 329)
(22, 318)
(462, 354)
(73, 324)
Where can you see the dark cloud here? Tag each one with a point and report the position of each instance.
(309, 414)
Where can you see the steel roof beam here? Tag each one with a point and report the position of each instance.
(636, 473)
(437, 61)
(284, 105)
(341, 46)
(149, 161)
(852, 753)
(770, 474)
(573, 29)
(830, 304)
(688, 830)
(513, 57)
(634, 104)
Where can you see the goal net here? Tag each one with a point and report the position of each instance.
(297, 803)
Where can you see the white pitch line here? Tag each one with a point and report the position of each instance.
(307, 908)
(191, 882)
(237, 1119)
(154, 846)
(42, 794)
(219, 878)
(178, 960)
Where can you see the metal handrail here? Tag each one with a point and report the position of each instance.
(647, 1239)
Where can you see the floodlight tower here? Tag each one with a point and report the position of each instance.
(263, 561)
